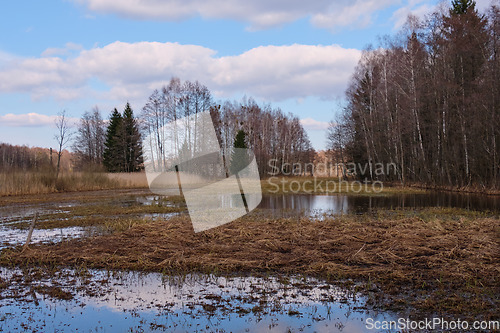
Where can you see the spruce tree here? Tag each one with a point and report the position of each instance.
(239, 157)
(460, 7)
(129, 140)
(110, 156)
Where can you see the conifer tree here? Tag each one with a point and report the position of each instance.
(239, 157)
(129, 142)
(110, 158)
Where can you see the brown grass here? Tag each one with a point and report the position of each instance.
(130, 180)
(42, 182)
(438, 265)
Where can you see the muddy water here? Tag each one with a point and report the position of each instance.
(133, 302)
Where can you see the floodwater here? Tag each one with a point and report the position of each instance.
(133, 302)
(15, 217)
(101, 301)
(318, 205)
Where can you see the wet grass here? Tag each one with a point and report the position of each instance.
(428, 261)
(59, 210)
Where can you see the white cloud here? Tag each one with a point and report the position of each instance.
(32, 119)
(315, 125)
(352, 13)
(260, 14)
(421, 8)
(133, 70)
(417, 8)
(29, 119)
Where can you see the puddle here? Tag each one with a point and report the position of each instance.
(148, 302)
(12, 237)
(15, 217)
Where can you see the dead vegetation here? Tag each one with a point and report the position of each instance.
(42, 182)
(432, 262)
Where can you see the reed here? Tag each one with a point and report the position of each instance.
(40, 182)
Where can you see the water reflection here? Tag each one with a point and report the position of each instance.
(137, 302)
(343, 204)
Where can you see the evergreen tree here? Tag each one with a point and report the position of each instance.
(459, 7)
(110, 158)
(239, 157)
(129, 142)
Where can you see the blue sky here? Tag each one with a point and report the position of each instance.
(74, 55)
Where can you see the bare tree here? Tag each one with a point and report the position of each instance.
(427, 101)
(89, 141)
(62, 136)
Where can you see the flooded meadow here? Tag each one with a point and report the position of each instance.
(128, 260)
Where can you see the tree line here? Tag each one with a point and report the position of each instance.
(427, 101)
(23, 158)
(115, 145)
(274, 137)
(277, 139)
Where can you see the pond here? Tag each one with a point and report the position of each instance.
(101, 301)
(317, 205)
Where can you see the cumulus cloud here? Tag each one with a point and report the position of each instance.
(313, 124)
(352, 13)
(260, 14)
(133, 70)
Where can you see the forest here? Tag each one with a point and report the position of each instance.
(116, 145)
(427, 100)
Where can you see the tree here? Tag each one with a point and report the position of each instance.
(239, 157)
(89, 141)
(427, 101)
(128, 142)
(275, 138)
(459, 7)
(110, 155)
(62, 136)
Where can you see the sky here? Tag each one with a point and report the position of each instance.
(74, 55)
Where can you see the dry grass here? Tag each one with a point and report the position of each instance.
(435, 265)
(130, 180)
(42, 182)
